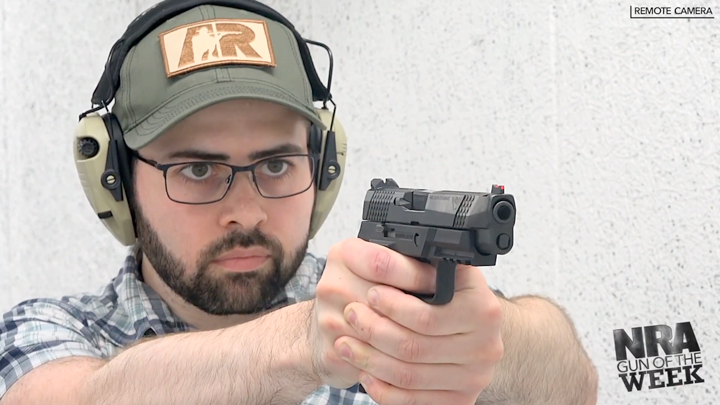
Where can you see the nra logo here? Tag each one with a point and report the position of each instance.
(216, 42)
(662, 356)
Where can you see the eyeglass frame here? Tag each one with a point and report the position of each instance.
(164, 167)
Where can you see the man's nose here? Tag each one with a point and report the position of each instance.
(243, 204)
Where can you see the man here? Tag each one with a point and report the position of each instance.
(219, 302)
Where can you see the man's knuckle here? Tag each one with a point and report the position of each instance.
(323, 290)
(344, 253)
(468, 386)
(491, 352)
(409, 349)
(327, 290)
(404, 377)
(329, 324)
(381, 264)
(381, 396)
(335, 252)
(494, 312)
(409, 398)
(426, 320)
(389, 307)
(479, 381)
(496, 351)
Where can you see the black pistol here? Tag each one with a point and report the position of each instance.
(444, 228)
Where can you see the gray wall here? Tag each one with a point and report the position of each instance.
(604, 128)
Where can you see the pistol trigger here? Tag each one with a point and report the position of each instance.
(444, 284)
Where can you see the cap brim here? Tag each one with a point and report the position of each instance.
(204, 96)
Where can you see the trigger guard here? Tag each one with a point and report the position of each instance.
(444, 285)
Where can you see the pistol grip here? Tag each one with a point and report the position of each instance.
(444, 284)
(444, 290)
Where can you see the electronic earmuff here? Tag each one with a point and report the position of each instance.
(103, 160)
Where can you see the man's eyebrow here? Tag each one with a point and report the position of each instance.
(199, 155)
(286, 148)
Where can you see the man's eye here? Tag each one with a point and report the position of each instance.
(197, 171)
(275, 167)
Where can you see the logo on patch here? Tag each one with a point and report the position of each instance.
(216, 42)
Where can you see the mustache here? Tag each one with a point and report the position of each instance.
(239, 239)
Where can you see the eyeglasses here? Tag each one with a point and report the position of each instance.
(203, 182)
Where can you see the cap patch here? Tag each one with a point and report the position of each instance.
(216, 42)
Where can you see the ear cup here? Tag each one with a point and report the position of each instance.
(325, 199)
(92, 153)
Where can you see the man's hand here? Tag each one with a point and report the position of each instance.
(402, 349)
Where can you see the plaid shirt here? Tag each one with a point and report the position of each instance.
(38, 331)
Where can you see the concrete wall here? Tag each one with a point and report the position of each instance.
(605, 129)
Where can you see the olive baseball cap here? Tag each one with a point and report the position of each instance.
(204, 56)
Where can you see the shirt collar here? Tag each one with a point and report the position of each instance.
(148, 313)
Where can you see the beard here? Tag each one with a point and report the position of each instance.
(219, 293)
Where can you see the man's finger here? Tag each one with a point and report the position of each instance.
(382, 265)
(387, 394)
(404, 344)
(416, 376)
(469, 310)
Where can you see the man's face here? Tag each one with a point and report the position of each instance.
(185, 242)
